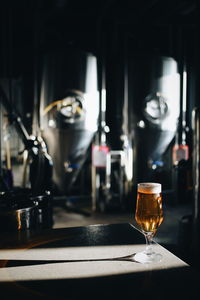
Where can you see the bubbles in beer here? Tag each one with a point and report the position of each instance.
(149, 212)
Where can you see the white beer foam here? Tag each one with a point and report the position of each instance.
(149, 187)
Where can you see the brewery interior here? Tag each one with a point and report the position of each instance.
(95, 97)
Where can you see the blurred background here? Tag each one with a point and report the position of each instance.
(95, 97)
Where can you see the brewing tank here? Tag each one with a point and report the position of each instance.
(153, 110)
(69, 110)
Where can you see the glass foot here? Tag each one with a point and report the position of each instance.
(145, 258)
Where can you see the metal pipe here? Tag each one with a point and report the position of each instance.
(196, 161)
(196, 183)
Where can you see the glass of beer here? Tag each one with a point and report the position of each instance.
(149, 216)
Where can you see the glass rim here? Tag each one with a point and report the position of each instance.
(149, 187)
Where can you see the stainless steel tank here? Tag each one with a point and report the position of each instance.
(153, 110)
(69, 110)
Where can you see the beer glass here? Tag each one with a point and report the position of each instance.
(149, 216)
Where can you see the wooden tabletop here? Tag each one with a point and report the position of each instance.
(89, 262)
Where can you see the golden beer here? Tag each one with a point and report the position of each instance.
(149, 212)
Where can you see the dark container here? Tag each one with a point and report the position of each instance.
(20, 211)
(19, 218)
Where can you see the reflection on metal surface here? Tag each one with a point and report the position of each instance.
(69, 111)
(70, 107)
(155, 108)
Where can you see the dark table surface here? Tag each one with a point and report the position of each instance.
(165, 282)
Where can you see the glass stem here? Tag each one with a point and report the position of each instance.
(148, 238)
